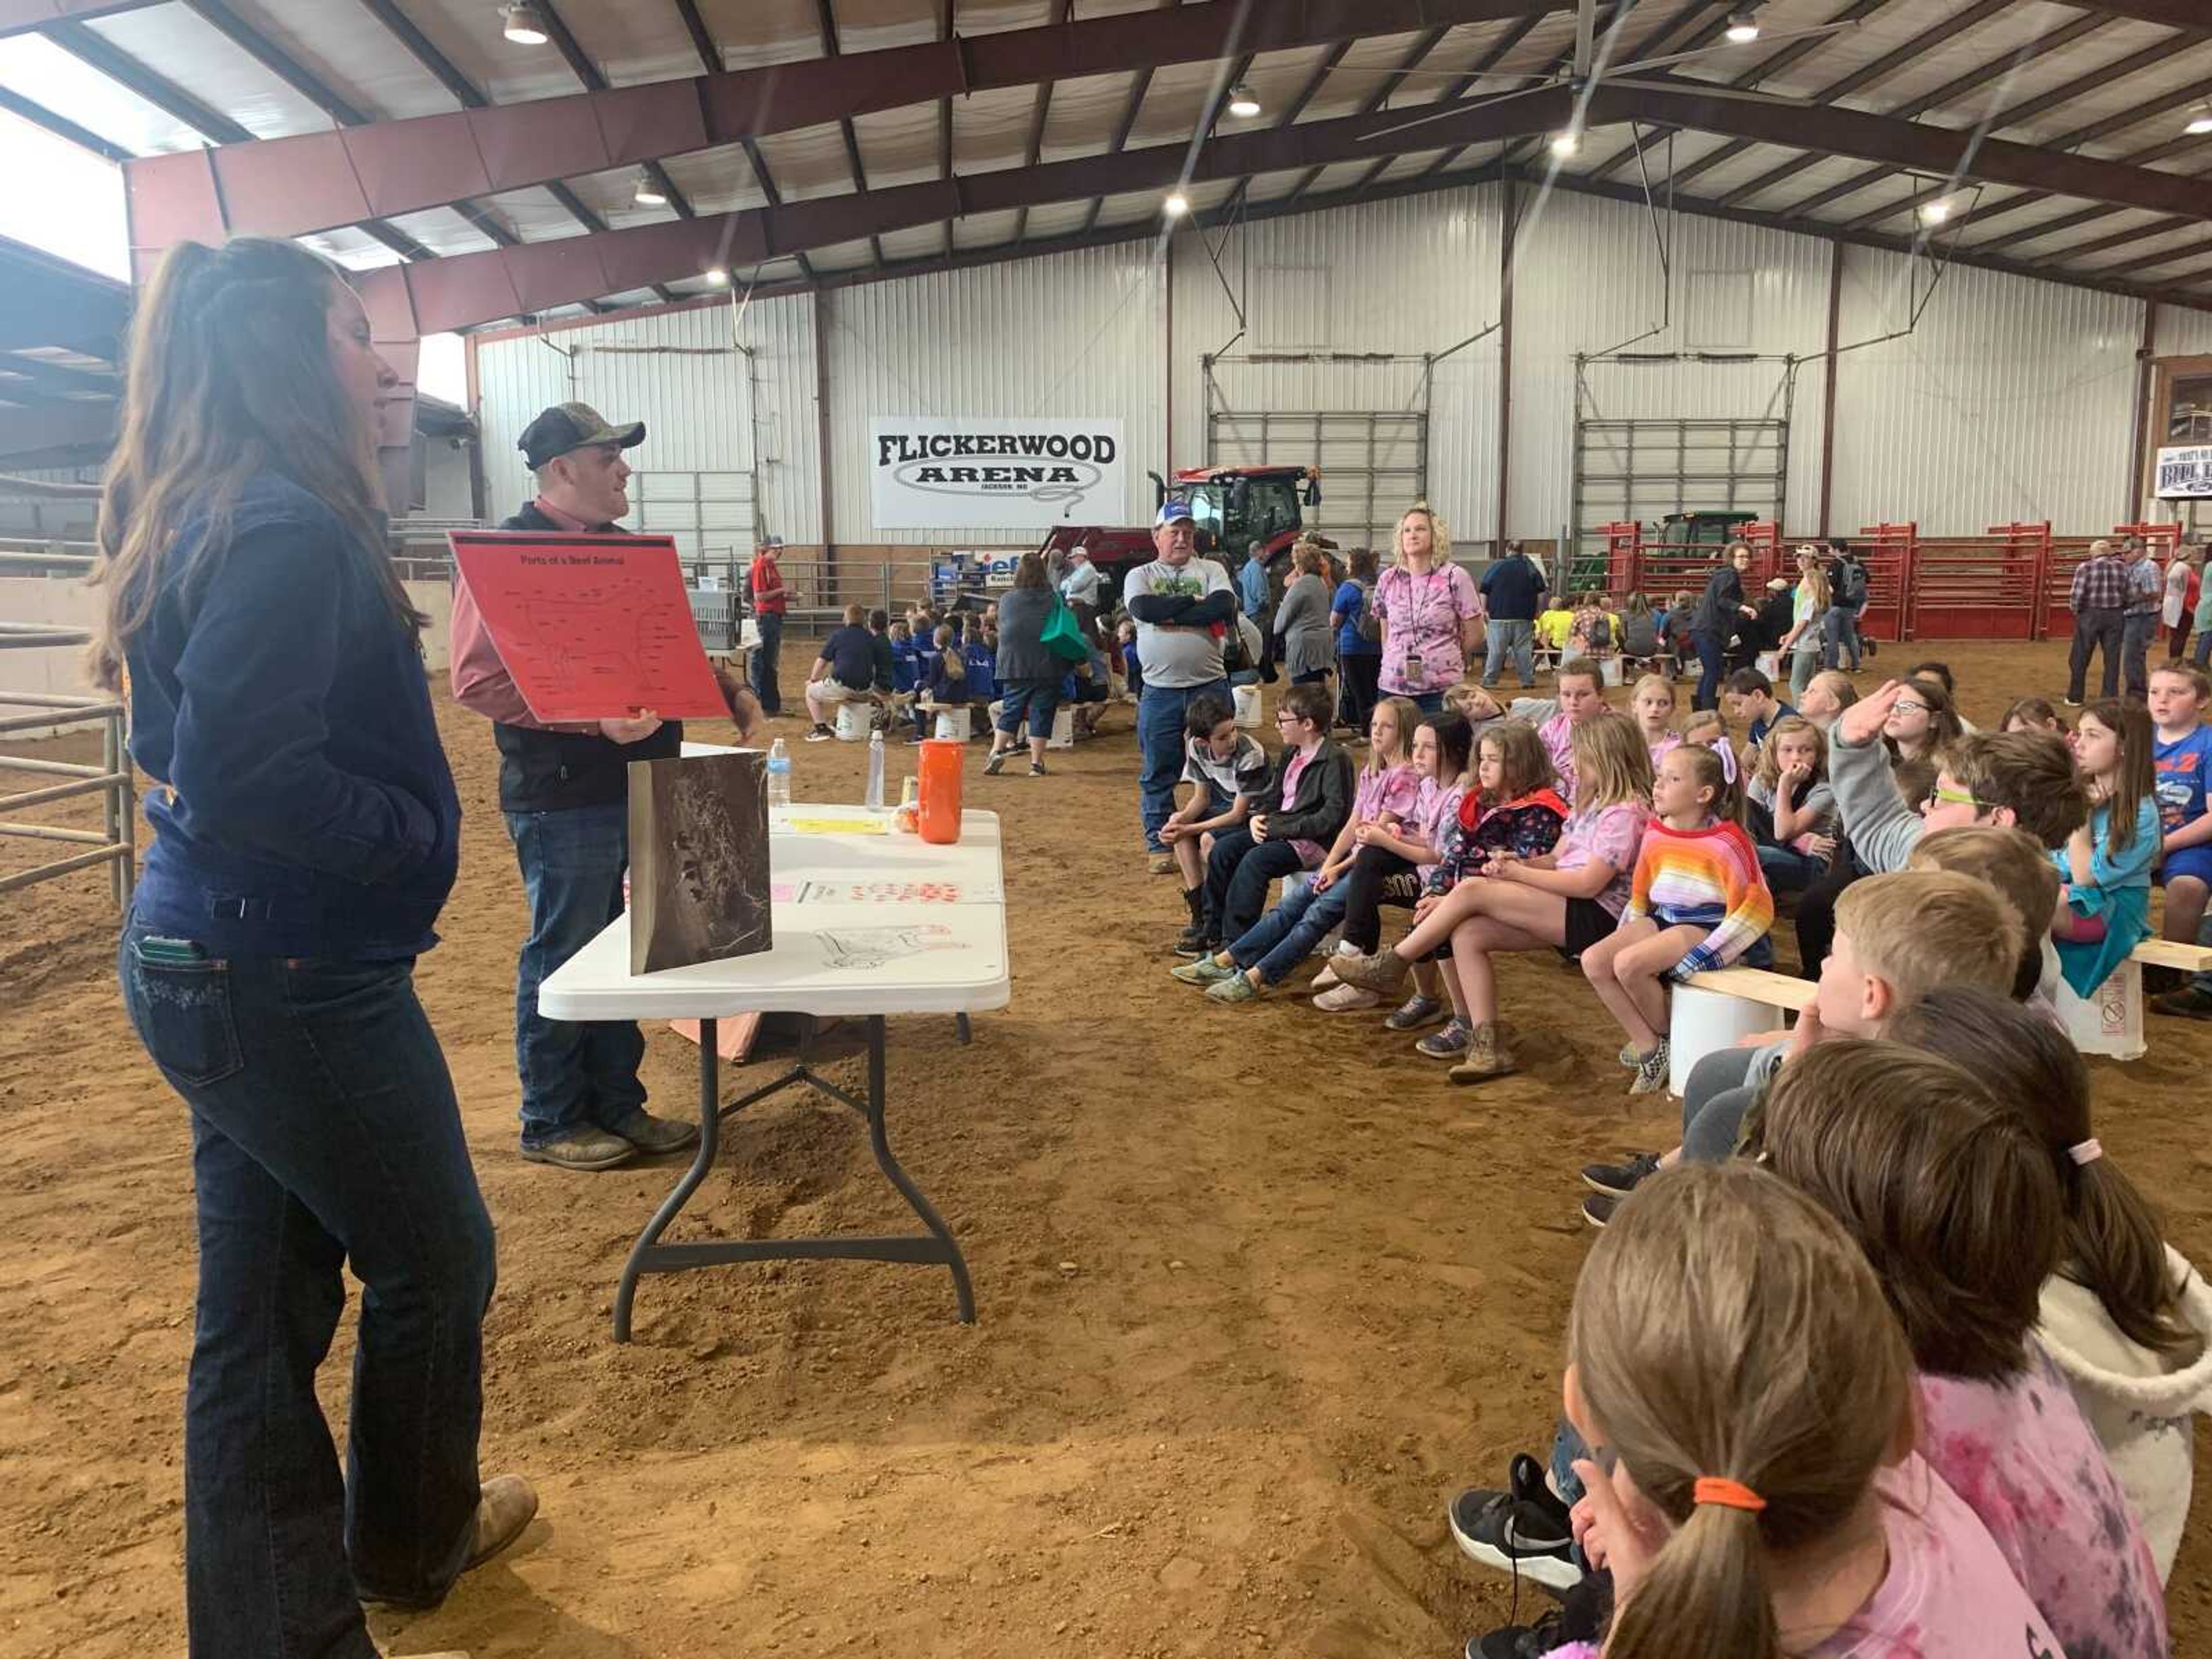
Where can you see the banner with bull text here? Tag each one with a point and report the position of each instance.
(984, 473)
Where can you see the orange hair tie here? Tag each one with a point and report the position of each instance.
(1728, 1494)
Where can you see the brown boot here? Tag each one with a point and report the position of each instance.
(1487, 1057)
(505, 1505)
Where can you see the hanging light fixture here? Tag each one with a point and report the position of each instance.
(717, 277)
(2200, 121)
(521, 24)
(1565, 144)
(1742, 26)
(649, 193)
(1244, 102)
(1176, 205)
(1934, 212)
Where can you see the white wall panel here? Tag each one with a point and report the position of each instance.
(1587, 279)
(2183, 333)
(787, 420)
(1399, 278)
(2013, 400)
(1071, 334)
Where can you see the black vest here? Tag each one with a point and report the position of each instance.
(551, 771)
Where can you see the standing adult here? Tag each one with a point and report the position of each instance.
(1722, 609)
(1182, 606)
(1080, 588)
(1432, 614)
(1810, 602)
(1302, 619)
(1253, 587)
(565, 791)
(1513, 591)
(2099, 600)
(308, 832)
(1847, 598)
(1358, 659)
(1029, 671)
(764, 579)
(2146, 597)
(2178, 613)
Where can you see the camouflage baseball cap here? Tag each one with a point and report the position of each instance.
(573, 426)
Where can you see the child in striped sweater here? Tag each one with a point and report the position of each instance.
(1698, 902)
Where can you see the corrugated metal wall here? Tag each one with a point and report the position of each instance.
(2012, 400)
(1587, 279)
(1072, 334)
(1401, 278)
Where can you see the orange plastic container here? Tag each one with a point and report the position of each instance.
(941, 762)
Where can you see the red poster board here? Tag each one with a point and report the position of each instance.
(590, 627)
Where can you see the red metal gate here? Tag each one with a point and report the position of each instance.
(1885, 550)
(1976, 587)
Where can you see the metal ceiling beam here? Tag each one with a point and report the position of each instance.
(39, 116)
(1513, 155)
(1458, 88)
(826, 19)
(587, 72)
(1374, 100)
(477, 287)
(703, 38)
(1140, 84)
(1040, 109)
(402, 167)
(945, 10)
(766, 180)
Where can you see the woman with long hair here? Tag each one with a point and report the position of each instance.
(1809, 613)
(309, 833)
(1432, 614)
(1028, 671)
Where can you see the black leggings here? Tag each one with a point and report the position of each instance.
(1816, 910)
(1376, 875)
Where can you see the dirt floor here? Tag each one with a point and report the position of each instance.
(1258, 1291)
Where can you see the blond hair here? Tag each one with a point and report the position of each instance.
(1613, 763)
(1725, 1326)
(1408, 714)
(2022, 873)
(1769, 769)
(1439, 536)
(1654, 683)
(1917, 929)
(1838, 685)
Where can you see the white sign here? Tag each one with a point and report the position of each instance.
(2184, 472)
(924, 472)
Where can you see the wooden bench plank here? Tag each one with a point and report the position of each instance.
(1757, 985)
(2165, 953)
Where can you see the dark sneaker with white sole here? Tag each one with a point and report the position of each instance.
(1620, 1179)
(1523, 1530)
(1597, 1210)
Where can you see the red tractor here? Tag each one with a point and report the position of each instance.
(1234, 508)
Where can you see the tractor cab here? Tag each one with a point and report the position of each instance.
(1233, 507)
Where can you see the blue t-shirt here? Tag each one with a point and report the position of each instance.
(1349, 604)
(851, 653)
(2180, 771)
(906, 665)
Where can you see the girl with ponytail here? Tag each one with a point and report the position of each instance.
(1757, 1494)
(2125, 1316)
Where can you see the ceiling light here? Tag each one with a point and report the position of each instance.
(1566, 143)
(521, 24)
(1176, 205)
(1244, 102)
(649, 193)
(2200, 121)
(718, 277)
(1935, 212)
(1742, 28)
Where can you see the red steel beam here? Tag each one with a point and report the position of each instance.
(477, 288)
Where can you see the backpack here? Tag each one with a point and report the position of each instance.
(1850, 583)
(1370, 620)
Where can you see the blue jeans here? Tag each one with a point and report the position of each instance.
(1037, 699)
(1839, 637)
(1712, 650)
(1238, 871)
(770, 624)
(1786, 869)
(574, 1073)
(1286, 935)
(1513, 635)
(1160, 712)
(325, 1135)
(2140, 629)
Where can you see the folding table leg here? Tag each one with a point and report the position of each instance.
(879, 1143)
(710, 1142)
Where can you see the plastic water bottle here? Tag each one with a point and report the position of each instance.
(779, 775)
(875, 768)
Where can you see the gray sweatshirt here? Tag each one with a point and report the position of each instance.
(1882, 828)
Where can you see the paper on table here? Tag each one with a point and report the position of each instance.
(590, 627)
(838, 826)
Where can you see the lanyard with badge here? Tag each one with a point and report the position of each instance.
(1421, 619)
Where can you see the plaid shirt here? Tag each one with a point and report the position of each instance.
(2099, 584)
(2146, 586)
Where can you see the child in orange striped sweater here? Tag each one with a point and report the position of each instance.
(1698, 902)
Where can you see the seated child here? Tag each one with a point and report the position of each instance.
(1675, 629)
(1639, 630)
(944, 684)
(1552, 627)
(2178, 692)
(2106, 863)
(906, 663)
(1731, 1349)
(1565, 900)
(1827, 694)
(2032, 715)
(1653, 703)
(1697, 901)
(1954, 1200)
(1747, 696)
(2125, 1316)
(1581, 696)
(1792, 810)
(1297, 815)
(1133, 672)
(1226, 769)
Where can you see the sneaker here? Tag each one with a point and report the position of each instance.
(1630, 1057)
(1204, 971)
(1620, 1179)
(1449, 1044)
(1196, 941)
(821, 734)
(1237, 988)
(1598, 1208)
(1382, 973)
(1651, 1072)
(1519, 1641)
(1524, 1530)
(1323, 980)
(2071, 702)
(581, 1149)
(994, 766)
(2159, 982)
(1487, 1057)
(651, 1134)
(1037, 769)
(1415, 1011)
(1346, 999)
(2190, 1004)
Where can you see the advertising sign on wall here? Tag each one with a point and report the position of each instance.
(2184, 472)
(985, 473)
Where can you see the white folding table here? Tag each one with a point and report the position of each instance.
(838, 953)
